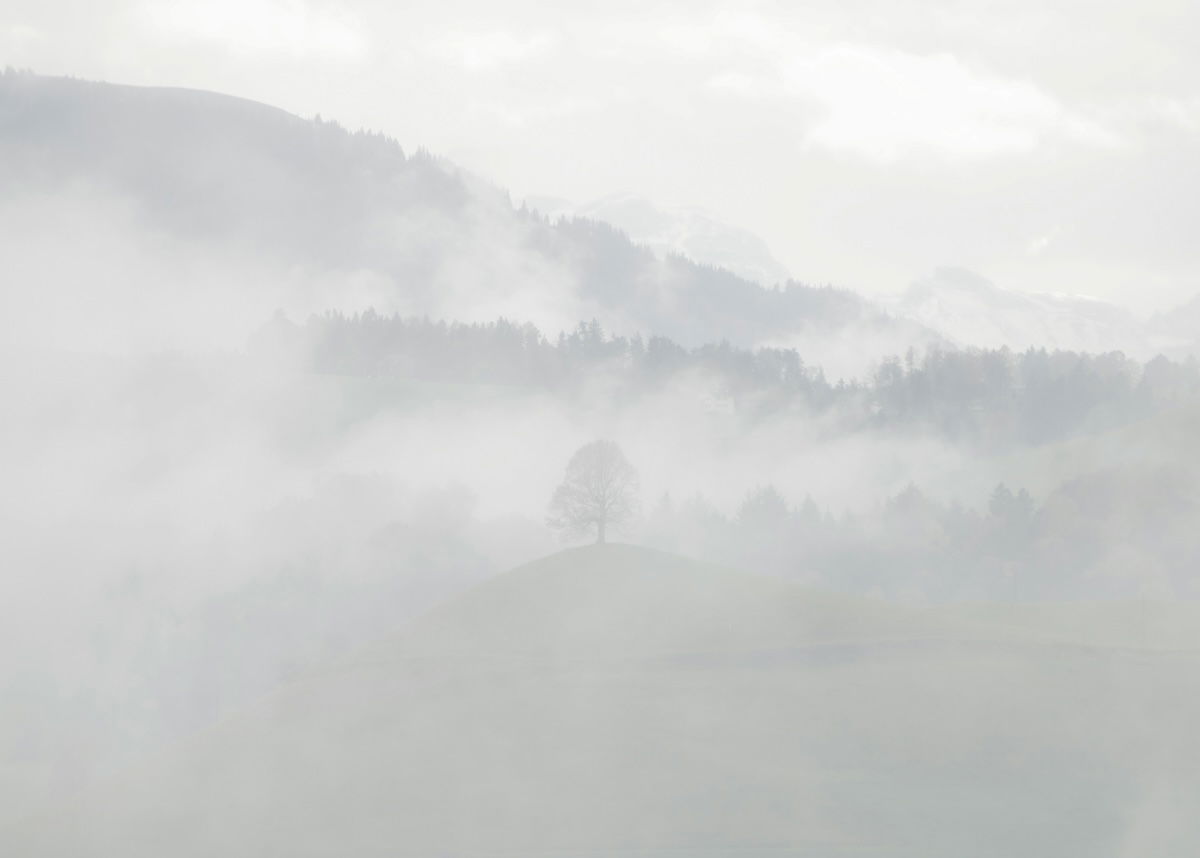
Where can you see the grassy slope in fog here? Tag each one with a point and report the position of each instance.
(1146, 625)
(616, 701)
(616, 602)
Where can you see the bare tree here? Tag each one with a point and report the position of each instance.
(600, 489)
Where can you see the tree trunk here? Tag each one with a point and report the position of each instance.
(600, 531)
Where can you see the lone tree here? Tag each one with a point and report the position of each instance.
(600, 489)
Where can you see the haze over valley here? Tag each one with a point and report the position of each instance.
(355, 505)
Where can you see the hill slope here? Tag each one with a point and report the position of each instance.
(617, 701)
(687, 232)
(263, 209)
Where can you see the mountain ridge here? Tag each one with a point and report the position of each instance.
(341, 220)
(348, 220)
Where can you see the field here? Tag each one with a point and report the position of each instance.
(616, 701)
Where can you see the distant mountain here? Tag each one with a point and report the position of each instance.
(187, 210)
(1178, 330)
(971, 310)
(687, 232)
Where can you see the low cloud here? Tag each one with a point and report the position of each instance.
(885, 104)
(257, 27)
(481, 51)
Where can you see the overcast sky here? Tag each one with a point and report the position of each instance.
(1049, 146)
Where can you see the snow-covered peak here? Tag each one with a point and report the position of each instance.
(971, 310)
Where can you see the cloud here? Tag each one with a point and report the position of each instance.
(19, 36)
(273, 27)
(479, 51)
(747, 86)
(723, 31)
(1181, 113)
(1039, 243)
(884, 104)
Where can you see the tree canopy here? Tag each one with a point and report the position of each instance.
(599, 490)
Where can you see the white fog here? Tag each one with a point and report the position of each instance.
(632, 430)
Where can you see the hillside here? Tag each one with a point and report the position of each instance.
(617, 701)
(260, 209)
(618, 602)
(687, 232)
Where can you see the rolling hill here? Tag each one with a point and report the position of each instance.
(617, 701)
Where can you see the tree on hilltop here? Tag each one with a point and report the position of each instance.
(599, 490)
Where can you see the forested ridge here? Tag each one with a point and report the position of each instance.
(993, 396)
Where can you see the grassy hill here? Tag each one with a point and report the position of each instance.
(617, 701)
(621, 602)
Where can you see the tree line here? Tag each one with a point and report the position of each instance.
(1116, 532)
(983, 395)
(1112, 533)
